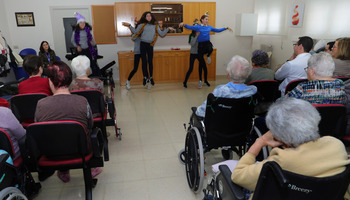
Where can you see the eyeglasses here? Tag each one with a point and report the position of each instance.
(295, 45)
(306, 68)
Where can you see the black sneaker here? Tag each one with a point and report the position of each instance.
(207, 83)
(152, 81)
(184, 84)
(144, 81)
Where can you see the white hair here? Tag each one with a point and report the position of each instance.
(80, 65)
(322, 63)
(238, 69)
(293, 121)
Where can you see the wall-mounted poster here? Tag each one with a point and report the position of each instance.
(25, 19)
(296, 14)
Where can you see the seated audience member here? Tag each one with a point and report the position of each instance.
(35, 83)
(12, 126)
(238, 69)
(81, 67)
(63, 106)
(260, 71)
(341, 55)
(320, 46)
(321, 87)
(46, 54)
(294, 67)
(293, 125)
(329, 47)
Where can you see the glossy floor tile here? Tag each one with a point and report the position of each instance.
(144, 164)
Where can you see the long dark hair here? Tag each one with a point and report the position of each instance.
(42, 49)
(192, 35)
(143, 19)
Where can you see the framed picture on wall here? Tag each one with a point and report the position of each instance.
(296, 15)
(25, 19)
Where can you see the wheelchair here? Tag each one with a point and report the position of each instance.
(228, 124)
(274, 183)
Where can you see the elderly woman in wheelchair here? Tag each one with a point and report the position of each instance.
(296, 146)
(223, 120)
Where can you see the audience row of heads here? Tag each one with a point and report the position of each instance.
(58, 72)
(319, 65)
(339, 49)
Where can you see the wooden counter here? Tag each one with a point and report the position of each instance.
(168, 66)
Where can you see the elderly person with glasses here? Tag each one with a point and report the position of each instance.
(321, 87)
(296, 145)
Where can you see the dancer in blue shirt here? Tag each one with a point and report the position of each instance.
(204, 44)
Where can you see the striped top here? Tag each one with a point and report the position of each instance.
(320, 92)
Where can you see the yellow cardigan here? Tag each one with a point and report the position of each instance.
(324, 157)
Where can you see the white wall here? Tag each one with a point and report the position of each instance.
(323, 19)
(227, 43)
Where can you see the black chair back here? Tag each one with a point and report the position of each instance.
(23, 106)
(291, 85)
(333, 119)
(228, 121)
(95, 99)
(61, 139)
(276, 184)
(267, 94)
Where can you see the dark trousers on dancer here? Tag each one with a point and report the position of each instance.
(95, 70)
(147, 57)
(193, 57)
(137, 58)
(205, 48)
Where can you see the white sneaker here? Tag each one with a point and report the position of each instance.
(208, 60)
(148, 84)
(128, 85)
(200, 84)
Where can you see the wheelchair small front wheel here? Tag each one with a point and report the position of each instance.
(227, 154)
(182, 156)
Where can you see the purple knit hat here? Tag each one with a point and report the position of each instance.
(79, 17)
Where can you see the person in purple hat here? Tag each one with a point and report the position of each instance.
(83, 40)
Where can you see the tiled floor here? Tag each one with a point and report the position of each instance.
(144, 164)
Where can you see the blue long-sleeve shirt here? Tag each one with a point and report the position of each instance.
(204, 31)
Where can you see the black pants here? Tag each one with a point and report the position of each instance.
(193, 57)
(205, 48)
(95, 70)
(147, 57)
(137, 58)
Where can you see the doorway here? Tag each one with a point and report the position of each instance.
(61, 20)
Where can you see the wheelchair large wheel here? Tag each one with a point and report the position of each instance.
(194, 159)
(10, 193)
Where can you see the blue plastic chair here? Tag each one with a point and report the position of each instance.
(58, 58)
(27, 51)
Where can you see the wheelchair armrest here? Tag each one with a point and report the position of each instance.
(278, 173)
(96, 138)
(235, 189)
